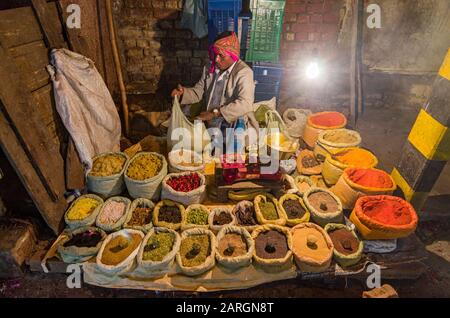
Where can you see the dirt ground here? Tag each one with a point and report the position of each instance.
(384, 131)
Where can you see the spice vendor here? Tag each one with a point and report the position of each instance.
(227, 89)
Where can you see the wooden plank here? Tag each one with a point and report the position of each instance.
(18, 105)
(32, 59)
(50, 24)
(74, 170)
(52, 212)
(85, 40)
(108, 60)
(19, 26)
(45, 104)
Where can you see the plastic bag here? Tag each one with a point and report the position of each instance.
(193, 137)
(295, 120)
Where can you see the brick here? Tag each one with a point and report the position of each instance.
(184, 34)
(328, 36)
(150, 52)
(331, 17)
(303, 18)
(159, 4)
(301, 36)
(130, 32)
(141, 14)
(201, 53)
(184, 60)
(193, 44)
(141, 43)
(183, 53)
(154, 34)
(295, 8)
(167, 14)
(316, 18)
(195, 61)
(314, 36)
(328, 28)
(129, 43)
(305, 27)
(172, 4)
(290, 36)
(165, 24)
(131, 68)
(290, 17)
(155, 45)
(135, 53)
(315, 8)
(180, 44)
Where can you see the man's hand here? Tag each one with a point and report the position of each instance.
(206, 116)
(179, 91)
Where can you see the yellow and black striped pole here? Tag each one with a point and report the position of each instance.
(428, 147)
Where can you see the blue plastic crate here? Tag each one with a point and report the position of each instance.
(221, 14)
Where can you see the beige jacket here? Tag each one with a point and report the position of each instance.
(239, 93)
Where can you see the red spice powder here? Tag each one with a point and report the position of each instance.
(373, 178)
(387, 211)
(330, 119)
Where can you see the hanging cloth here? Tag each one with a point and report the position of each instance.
(195, 17)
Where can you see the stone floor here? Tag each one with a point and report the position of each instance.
(383, 130)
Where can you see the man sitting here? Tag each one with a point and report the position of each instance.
(227, 88)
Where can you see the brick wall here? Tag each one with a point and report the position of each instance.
(310, 30)
(157, 53)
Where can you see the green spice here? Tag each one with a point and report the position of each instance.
(158, 246)
(268, 210)
(197, 216)
(194, 250)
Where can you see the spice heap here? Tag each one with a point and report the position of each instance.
(344, 241)
(309, 161)
(323, 202)
(185, 183)
(327, 119)
(112, 212)
(310, 243)
(373, 178)
(119, 248)
(222, 218)
(340, 136)
(194, 250)
(197, 216)
(387, 211)
(107, 165)
(144, 167)
(245, 215)
(303, 186)
(355, 157)
(294, 209)
(82, 209)
(142, 215)
(232, 245)
(271, 245)
(158, 246)
(169, 214)
(89, 238)
(268, 210)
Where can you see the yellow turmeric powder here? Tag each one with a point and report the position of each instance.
(356, 157)
(82, 209)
